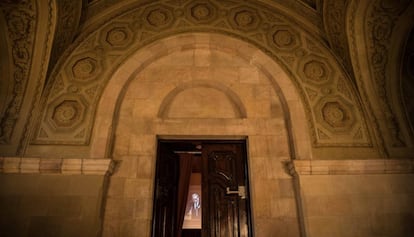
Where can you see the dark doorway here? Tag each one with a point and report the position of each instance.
(201, 189)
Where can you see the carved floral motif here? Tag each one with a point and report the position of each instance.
(245, 19)
(84, 68)
(202, 11)
(66, 113)
(117, 35)
(336, 114)
(159, 17)
(315, 71)
(284, 38)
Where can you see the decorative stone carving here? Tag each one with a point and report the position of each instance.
(355, 53)
(20, 20)
(201, 11)
(244, 18)
(312, 94)
(315, 70)
(66, 113)
(59, 85)
(323, 135)
(309, 61)
(159, 17)
(284, 38)
(343, 88)
(336, 114)
(380, 24)
(117, 35)
(84, 68)
(335, 25)
(69, 14)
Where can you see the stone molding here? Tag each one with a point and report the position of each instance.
(350, 167)
(23, 165)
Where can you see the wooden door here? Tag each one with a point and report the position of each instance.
(225, 204)
(165, 193)
(225, 190)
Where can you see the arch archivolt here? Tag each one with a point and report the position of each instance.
(333, 114)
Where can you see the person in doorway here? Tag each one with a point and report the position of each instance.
(195, 205)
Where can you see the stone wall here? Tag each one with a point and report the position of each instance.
(357, 198)
(50, 205)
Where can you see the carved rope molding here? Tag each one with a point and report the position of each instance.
(350, 167)
(21, 18)
(23, 165)
(333, 110)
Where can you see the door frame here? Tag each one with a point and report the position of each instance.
(198, 141)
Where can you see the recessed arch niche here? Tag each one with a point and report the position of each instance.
(196, 99)
(134, 112)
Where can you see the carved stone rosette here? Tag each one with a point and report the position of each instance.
(334, 113)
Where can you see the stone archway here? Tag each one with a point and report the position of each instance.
(256, 101)
(334, 115)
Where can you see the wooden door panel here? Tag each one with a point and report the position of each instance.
(224, 173)
(165, 195)
(223, 216)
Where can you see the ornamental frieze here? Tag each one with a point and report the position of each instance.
(313, 69)
(380, 24)
(20, 19)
